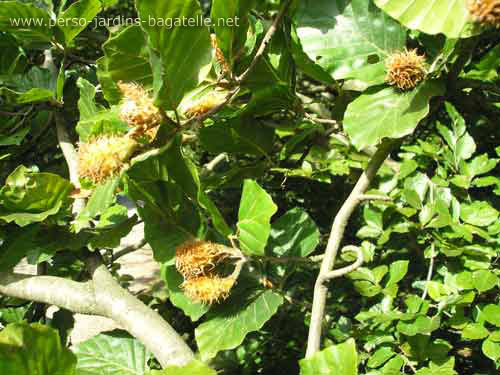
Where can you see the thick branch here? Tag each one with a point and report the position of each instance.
(138, 319)
(334, 241)
(68, 294)
(103, 296)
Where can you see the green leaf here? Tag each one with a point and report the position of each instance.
(111, 354)
(484, 280)
(238, 136)
(29, 197)
(430, 16)
(174, 279)
(128, 45)
(76, 18)
(389, 113)
(227, 326)
(478, 213)
(188, 47)
(193, 368)
(95, 119)
(441, 368)
(38, 85)
(339, 359)
(474, 331)
(486, 69)
(113, 225)
(491, 350)
(256, 210)
(25, 21)
(102, 197)
(492, 314)
(294, 234)
(165, 187)
(16, 138)
(230, 37)
(397, 270)
(15, 59)
(343, 37)
(381, 356)
(34, 349)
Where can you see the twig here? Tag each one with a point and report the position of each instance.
(177, 118)
(429, 274)
(265, 41)
(286, 260)
(129, 249)
(374, 197)
(348, 269)
(210, 166)
(334, 241)
(229, 98)
(262, 48)
(71, 157)
(322, 120)
(462, 83)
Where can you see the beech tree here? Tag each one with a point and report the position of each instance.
(317, 180)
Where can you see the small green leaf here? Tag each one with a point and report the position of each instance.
(492, 314)
(339, 359)
(256, 210)
(397, 270)
(491, 350)
(484, 280)
(381, 356)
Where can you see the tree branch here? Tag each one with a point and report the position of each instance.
(348, 269)
(134, 316)
(334, 241)
(103, 296)
(265, 41)
(71, 157)
(262, 48)
(374, 197)
(68, 294)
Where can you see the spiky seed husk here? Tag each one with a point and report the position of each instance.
(486, 12)
(206, 103)
(219, 56)
(194, 258)
(137, 109)
(104, 156)
(405, 69)
(208, 289)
